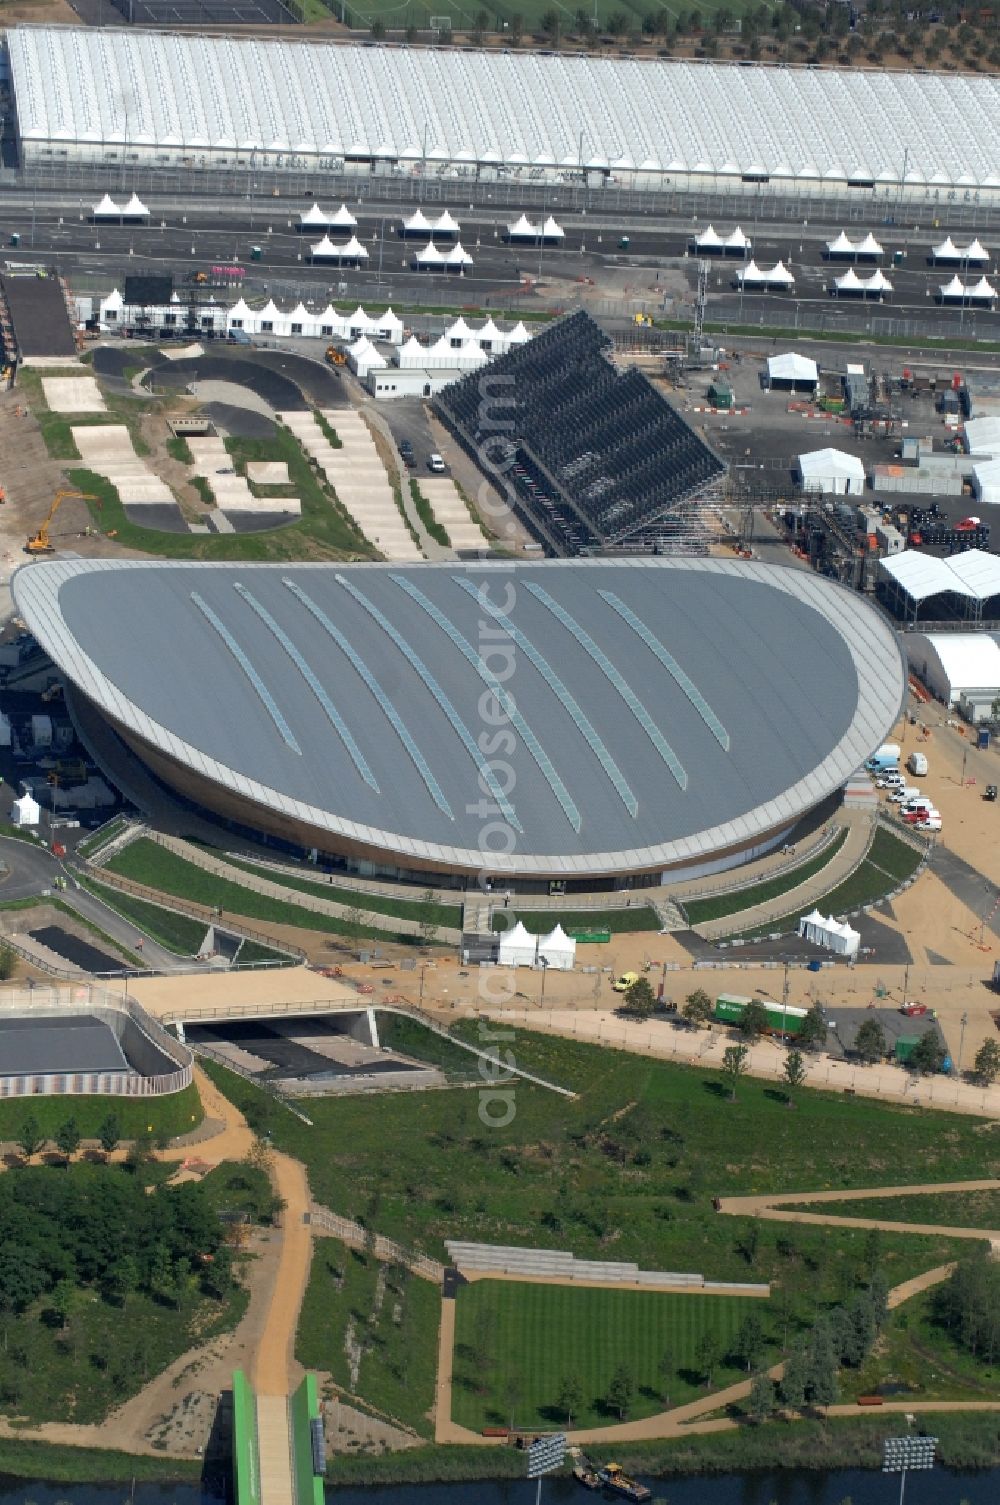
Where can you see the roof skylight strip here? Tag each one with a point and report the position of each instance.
(268, 700)
(566, 700)
(507, 704)
(455, 721)
(336, 719)
(389, 710)
(608, 669)
(672, 667)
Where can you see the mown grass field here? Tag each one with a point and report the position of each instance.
(146, 862)
(516, 1343)
(392, 1317)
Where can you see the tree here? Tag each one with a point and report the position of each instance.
(707, 1354)
(753, 1020)
(814, 1028)
(870, 1043)
(8, 961)
(666, 1368)
(794, 1380)
(639, 999)
(794, 1071)
(621, 1390)
(734, 1065)
(110, 1133)
(61, 1301)
(968, 1306)
(750, 1341)
(517, 28)
(123, 1278)
(30, 1137)
(512, 1398)
(429, 927)
(929, 1054)
(761, 1397)
(550, 24)
(986, 1066)
(698, 1008)
(68, 1139)
(482, 23)
(570, 1397)
(377, 29)
(822, 1382)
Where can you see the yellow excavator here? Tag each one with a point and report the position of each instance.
(38, 543)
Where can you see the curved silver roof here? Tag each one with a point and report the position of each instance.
(156, 89)
(581, 717)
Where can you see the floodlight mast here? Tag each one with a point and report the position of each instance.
(903, 1453)
(544, 1455)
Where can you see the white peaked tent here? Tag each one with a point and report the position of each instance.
(518, 335)
(878, 282)
(975, 252)
(842, 246)
(953, 289)
(708, 239)
(459, 330)
(411, 355)
(107, 209)
(323, 250)
(363, 357)
(417, 224)
(780, 276)
(969, 292)
(751, 275)
(832, 935)
(552, 231)
(490, 335)
(389, 326)
(429, 256)
(314, 217)
(868, 247)
(26, 811)
(353, 250)
(445, 224)
(877, 285)
(343, 219)
(471, 354)
(983, 291)
(737, 241)
(832, 472)
(458, 256)
(135, 209)
(523, 229)
(557, 950)
(799, 370)
(948, 251)
(517, 947)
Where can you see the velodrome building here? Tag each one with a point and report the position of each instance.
(587, 721)
(167, 100)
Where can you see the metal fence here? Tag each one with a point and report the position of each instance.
(358, 1237)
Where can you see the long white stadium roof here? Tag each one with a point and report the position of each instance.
(83, 86)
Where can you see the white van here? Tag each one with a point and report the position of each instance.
(906, 795)
(932, 823)
(893, 779)
(917, 763)
(919, 806)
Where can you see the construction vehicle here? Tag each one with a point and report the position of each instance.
(335, 357)
(39, 543)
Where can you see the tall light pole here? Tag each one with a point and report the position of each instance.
(903, 1453)
(961, 1040)
(543, 1456)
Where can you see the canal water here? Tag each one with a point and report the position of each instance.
(783, 1487)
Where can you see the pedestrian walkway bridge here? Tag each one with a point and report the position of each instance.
(278, 1450)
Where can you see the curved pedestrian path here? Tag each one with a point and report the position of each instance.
(779, 1208)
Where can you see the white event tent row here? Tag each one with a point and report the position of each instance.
(318, 219)
(711, 241)
(325, 250)
(843, 248)
(460, 347)
(430, 258)
(957, 291)
(519, 948)
(531, 231)
(975, 251)
(326, 323)
(832, 935)
(754, 276)
(875, 286)
(418, 224)
(108, 209)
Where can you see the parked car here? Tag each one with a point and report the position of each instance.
(991, 792)
(406, 453)
(435, 463)
(915, 817)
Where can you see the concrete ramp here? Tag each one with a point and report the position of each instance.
(278, 1451)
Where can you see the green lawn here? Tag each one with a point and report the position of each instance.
(241, 1188)
(177, 1113)
(177, 932)
(893, 855)
(400, 909)
(252, 953)
(700, 911)
(951, 1209)
(618, 921)
(387, 1313)
(425, 512)
(628, 1169)
(146, 862)
(515, 1336)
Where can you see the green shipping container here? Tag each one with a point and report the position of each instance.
(905, 1046)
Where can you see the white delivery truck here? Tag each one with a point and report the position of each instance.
(917, 764)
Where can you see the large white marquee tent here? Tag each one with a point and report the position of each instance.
(82, 93)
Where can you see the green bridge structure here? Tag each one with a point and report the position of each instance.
(278, 1450)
